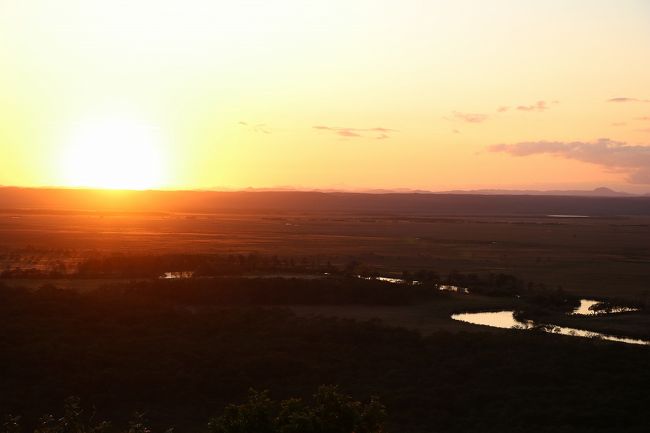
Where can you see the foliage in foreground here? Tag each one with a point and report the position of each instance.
(330, 412)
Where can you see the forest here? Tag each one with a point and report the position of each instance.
(158, 352)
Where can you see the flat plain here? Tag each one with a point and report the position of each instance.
(598, 256)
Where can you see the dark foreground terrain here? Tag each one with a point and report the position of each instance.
(181, 357)
(271, 299)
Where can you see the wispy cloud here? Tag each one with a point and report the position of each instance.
(624, 99)
(378, 133)
(261, 128)
(469, 117)
(618, 124)
(646, 118)
(538, 106)
(614, 155)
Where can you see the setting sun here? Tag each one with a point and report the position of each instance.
(113, 153)
(326, 94)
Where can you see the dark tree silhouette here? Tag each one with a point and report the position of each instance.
(330, 412)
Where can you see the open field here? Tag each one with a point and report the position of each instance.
(607, 256)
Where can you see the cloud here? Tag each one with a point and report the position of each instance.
(378, 133)
(261, 128)
(623, 99)
(614, 155)
(646, 118)
(538, 106)
(348, 133)
(618, 124)
(470, 117)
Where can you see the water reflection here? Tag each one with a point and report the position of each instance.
(176, 275)
(397, 280)
(455, 289)
(391, 280)
(585, 306)
(589, 307)
(507, 320)
(441, 287)
(495, 319)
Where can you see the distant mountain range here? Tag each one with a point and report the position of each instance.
(597, 192)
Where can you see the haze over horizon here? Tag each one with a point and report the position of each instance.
(419, 95)
(602, 191)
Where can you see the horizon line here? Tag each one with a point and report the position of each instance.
(377, 191)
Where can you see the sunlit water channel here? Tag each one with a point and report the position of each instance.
(507, 320)
(589, 307)
(496, 319)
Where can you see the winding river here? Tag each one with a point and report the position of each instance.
(495, 319)
(507, 320)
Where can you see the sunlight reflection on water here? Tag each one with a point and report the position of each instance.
(507, 320)
(441, 287)
(586, 308)
(176, 275)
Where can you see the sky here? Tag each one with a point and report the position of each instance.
(336, 94)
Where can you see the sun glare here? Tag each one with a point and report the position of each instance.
(113, 153)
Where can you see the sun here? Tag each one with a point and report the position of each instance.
(113, 153)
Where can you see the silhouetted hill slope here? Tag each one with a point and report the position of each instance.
(300, 201)
(597, 192)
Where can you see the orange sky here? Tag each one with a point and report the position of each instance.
(349, 94)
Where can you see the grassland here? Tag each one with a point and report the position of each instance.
(602, 257)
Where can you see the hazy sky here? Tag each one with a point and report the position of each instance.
(337, 93)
